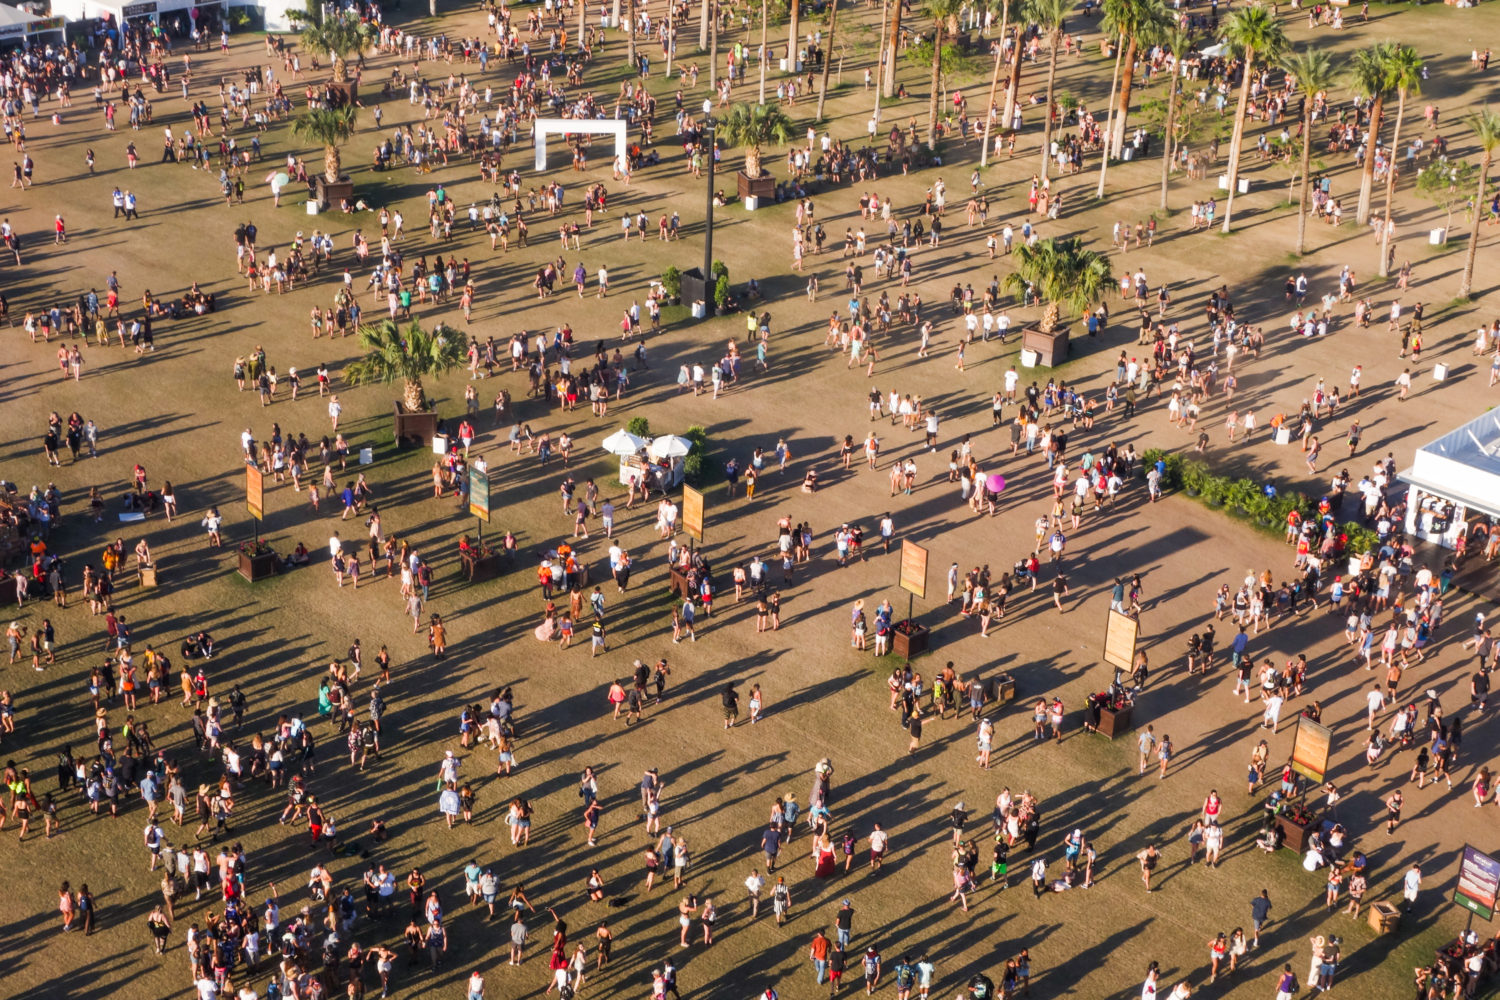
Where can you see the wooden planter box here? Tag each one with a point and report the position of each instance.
(257, 567)
(147, 576)
(1112, 723)
(1004, 689)
(1297, 834)
(1051, 348)
(485, 569)
(332, 194)
(415, 428)
(909, 645)
(677, 583)
(1384, 918)
(762, 187)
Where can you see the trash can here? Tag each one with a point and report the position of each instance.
(1439, 371)
(699, 309)
(751, 203)
(1437, 237)
(312, 208)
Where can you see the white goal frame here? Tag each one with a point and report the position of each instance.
(544, 127)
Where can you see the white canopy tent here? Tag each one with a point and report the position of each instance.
(1453, 479)
(16, 24)
(586, 126)
(142, 10)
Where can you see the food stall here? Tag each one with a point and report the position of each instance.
(1454, 481)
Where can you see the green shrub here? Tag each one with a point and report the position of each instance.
(639, 426)
(721, 292)
(671, 282)
(697, 460)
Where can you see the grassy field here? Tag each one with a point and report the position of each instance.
(177, 412)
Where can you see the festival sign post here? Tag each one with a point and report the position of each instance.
(1119, 642)
(1311, 744)
(1478, 884)
(913, 580)
(692, 513)
(479, 498)
(255, 500)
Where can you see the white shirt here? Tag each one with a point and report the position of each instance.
(1375, 700)
(878, 840)
(754, 884)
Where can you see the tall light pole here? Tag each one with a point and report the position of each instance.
(709, 125)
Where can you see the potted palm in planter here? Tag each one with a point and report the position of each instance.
(1064, 275)
(754, 126)
(407, 355)
(329, 128)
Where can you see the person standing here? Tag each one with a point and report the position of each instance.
(818, 953)
(1148, 858)
(844, 923)
(1409, 886)
(753, 885)
(1260, 910)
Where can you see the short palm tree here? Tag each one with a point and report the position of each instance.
(338, 36)
(1254, 33)
(1049, 15)
(1314, 73)
(1139, 22)
(329, 128)
(1485, 124)
(407, 355)
(1063, 274)
(755, 125)
(1404, 71)
(1369, 77)
(944, 14)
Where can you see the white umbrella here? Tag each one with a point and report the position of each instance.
(622, 442)
(669, 446)
(1214, 50)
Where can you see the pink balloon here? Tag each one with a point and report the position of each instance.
(997, 483)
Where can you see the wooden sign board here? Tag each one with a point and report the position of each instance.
(914, 569)
(255, 498)
(1310, 748)
(479, 494)
(692, 513)
(1119, 640)
(1478, 883)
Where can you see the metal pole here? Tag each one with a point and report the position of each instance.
(709, 126)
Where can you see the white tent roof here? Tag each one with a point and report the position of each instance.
(14, 15)
(1463, 465)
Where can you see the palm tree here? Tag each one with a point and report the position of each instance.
(1013, 72)
(755, 125)
(764, 52)
(1314, 72)
(1137, 21)
(1180, 42)
(1049, 14)
(1485, 124)
(702, 24)
(1254, 33)
(1063, 274)
(888, 84)
(792, 42)
(1369, 77)
(1404, 69)
(989, 105)
(338, 37)
(329, 128)
(833, 25)
(944, 14)
(713, 50)
(406, 355)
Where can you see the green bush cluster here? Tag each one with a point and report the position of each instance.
(695, 463)
(671, 282)
(1247, 499)
(640, 427)
(721, 284)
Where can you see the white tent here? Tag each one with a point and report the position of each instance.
(669, 446)
(623, 443)
(16, 24)
(1462, 469)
